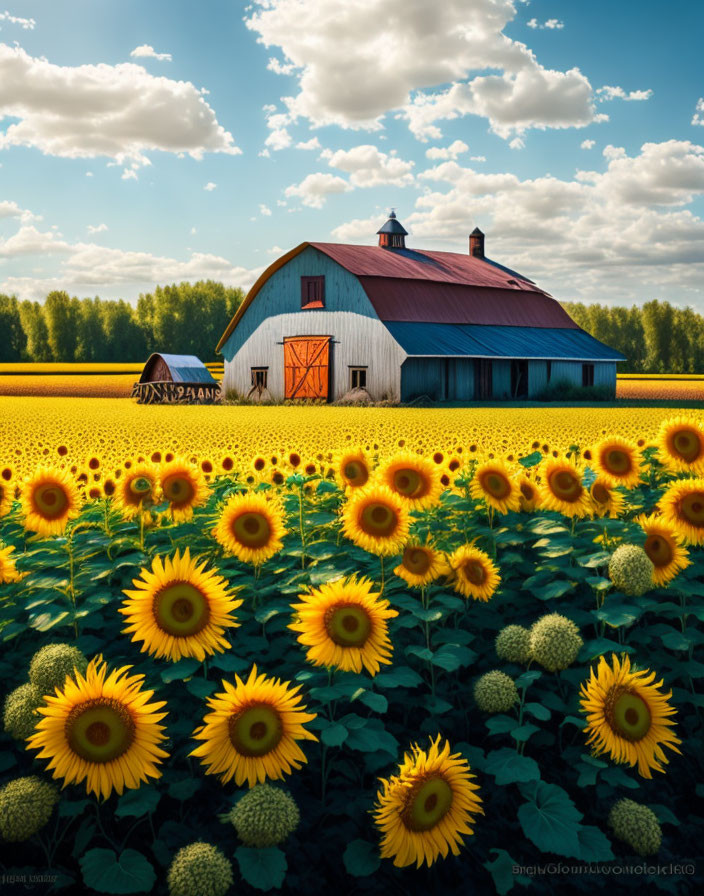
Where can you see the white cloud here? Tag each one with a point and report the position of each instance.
(360, 230)
(279, 138)
(194, 230)
(129, 174)
(618, 93)
(25, 24)
(369, 167)
(587, 144)
(97, 228)
(10, 209)
(314, 189)
(550, 24)
(447, 152)
(30, 241)
(517, 143)
(264, 210)
(698, 118)
(145, 51)
(312, 144)
(356, 62)
(210, 186)
(119, 112)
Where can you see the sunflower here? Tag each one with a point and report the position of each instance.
(617, 462)
(101, 729)
(494, 484)
(352, 468)
(530, 494)
(421, 564)
(252, 730)
(179, 610)
(250, 527)
(49, 500)
(664, 547)
(183, 486)
(682, 505)
(7, 492)
(473, 573)
(414, 479)
(627, 716)
(344, 625)
(8, 572)
(137, 489)
(680, 444)
(561, 488)
(606, 501)
(376, 519)
(424, 811)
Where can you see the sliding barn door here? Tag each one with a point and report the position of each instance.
(306, 367)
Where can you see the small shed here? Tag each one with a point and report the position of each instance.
(175, 379)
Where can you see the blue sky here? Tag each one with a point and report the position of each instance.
(145, 143)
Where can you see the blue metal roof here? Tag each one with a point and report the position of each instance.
(487, 341)
(184, 368)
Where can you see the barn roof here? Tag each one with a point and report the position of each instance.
(183, 368)
(433, 339)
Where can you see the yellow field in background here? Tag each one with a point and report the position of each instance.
(666, 388)
(104, 385)
(70, 431)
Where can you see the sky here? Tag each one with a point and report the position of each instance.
(156, 142)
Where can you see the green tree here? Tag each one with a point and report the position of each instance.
(62, 315)
(36, 331)
(91, 335)
(13, 339)
(123, 337)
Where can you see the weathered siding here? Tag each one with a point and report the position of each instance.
(537, 377)
(501, 378)
(442, 379)
(605, 375)
(566, 371)
(359, 339)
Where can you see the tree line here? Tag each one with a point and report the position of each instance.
(185, 319)
(655, 337)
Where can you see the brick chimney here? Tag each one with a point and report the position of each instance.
(476, 243)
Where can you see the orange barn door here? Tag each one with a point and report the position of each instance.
(306, 366)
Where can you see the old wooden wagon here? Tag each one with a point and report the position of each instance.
(175, 379)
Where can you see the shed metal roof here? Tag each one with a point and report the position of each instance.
(436, 339)
(183, 368)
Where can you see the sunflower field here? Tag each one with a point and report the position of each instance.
(380, 670)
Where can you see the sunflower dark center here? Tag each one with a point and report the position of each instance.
(252, 529)
(565, 486)
(659, 550)
(378, 519)
(180, 609)
(416, 560)
(100, 730)
(256, 730)
(259, 463)
(140, 486)
(474, 572)
(686, 444)
(627, 714)
(348, 625)
(409, 483)
(600, 493)
(178, 489)
(356, 473)
(428, 801)
(617, 461)
(495, 485)
(50, 501)
(691, 508)
(527, 491)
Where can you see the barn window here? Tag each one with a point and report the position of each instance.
(259, 376)
(358, 377)
(312, 292)
(587, 374)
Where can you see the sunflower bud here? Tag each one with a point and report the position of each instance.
(495, 692)
(636, 825)
(631, 570)
(265, 816)
(26, 805)
(555, 642)
(200, 869)
(19, 717)
(513, 644)
(51, 665)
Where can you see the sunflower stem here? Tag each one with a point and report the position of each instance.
(381, 566)
(300, 527)
(71, 580)
(141, 527)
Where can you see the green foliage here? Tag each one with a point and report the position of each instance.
(105, 871)
(264, 869)
(361, 858)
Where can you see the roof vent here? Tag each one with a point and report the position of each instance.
(476, 243)
(392, 235)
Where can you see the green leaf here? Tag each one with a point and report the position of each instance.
(593, 560)
(664, 815)
(523, 732)
(423, 653)
(554, 589)
(527, 678)
(500, 724)
(401, 677)
(201, 687)
(185, 789)
(451, 657)
(550, 820)
(372, 737)
(507, 766)
(538, 711)
(501, 870)
(376, 702)
(263, 868)
(334, 736)
(180, 670)
(594, 845)
(138, 802)
(361, 858)
(598, 647)
(676, 641)
(531, 460)
(617, 615)
(107, 872)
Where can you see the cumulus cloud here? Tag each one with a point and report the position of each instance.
(356, 62)
(369, 167)
(10, 209)
(447, 152)
(119, 112)
(618, 93)
(587, 144)
(361, 230)
(550, 24)
(97, 228)
(314, 189)
(25, 24)
(698, 117)
(264, 210)
(145, 51)
(30, 241)
(210, 186)
(312, 144)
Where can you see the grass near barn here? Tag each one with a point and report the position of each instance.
(442, 647)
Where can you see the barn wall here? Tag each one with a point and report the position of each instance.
(422, 376)
(570, 371)
(605, 375)
(461, 379)
(537, 377)
(501, 378)
(281, 294)
(357, 340)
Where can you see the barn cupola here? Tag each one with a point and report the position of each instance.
(392, 235)
(476, 243)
